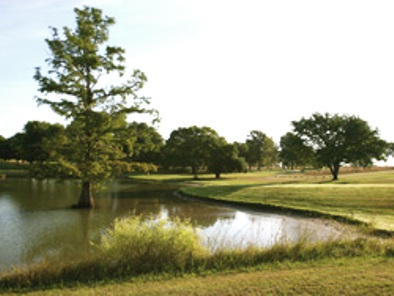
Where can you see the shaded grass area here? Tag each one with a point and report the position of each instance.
(13, 169)
(234, 178)
(14, 173)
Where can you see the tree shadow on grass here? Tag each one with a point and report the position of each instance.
(219, 190)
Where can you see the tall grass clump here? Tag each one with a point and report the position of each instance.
(137, 245)
(300, 251)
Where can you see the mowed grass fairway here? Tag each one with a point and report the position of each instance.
(365, 197)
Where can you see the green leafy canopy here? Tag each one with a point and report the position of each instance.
(86, 82)
(81, 69)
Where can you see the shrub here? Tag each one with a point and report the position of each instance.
(151, 245)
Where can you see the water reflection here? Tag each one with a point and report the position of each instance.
(36, 220)
(261, 229)
(10, 226)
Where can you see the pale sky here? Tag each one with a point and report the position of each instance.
(234, 66)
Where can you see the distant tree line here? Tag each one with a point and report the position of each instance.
(194, 149)
(323, 140)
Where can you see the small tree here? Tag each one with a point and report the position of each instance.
(224, 159)
(294, 152)
(261, 150)
(81, 71)
(337, 140)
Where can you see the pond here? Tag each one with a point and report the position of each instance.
(36, 220)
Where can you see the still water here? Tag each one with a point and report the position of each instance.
(36, 220)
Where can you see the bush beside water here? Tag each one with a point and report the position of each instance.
(136, 246)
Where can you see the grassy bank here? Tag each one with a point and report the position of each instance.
(351, 276)
(9, 169)
(363, 197)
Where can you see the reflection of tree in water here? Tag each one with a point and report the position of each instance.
(159, 199)
(33, 194)
(66, 236)
(201, 215)
(56, 233)
(261, 229)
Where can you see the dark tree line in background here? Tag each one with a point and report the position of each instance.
(37, 143)
(188, 150)
(323, 140)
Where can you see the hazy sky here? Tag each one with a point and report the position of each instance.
(234, 66)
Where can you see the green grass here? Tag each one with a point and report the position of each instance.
(350, 276)
(362, 266)
(14, 173)
(13, 169)
(235, 178)
(171, 178)
(364, 197)
(377, 177)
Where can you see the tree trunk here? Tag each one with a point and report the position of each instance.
(217, 175)
(194, 172)
(335, 171)
(86, 197)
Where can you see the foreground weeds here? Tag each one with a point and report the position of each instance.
(135, 247)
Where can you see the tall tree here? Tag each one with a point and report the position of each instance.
(81, 69)
(6, 150)
(41, 140)
(13, 147)
(271, 153)
(224, 159)
(338, 140)
(3, 148)
(190, 147)
(261, 150)
(143, 143)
